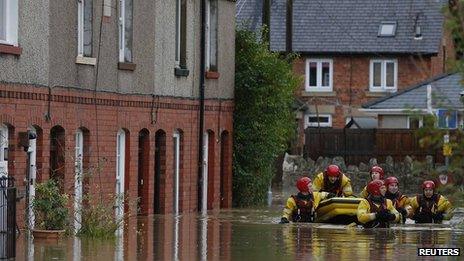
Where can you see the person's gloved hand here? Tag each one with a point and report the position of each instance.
(404, 214)
(383, 215)
(284, 220)
(331, 195)
(391, 216)
(438, 217)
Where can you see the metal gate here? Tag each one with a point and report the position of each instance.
(7, 218)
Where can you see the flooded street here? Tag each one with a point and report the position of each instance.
(245, 235)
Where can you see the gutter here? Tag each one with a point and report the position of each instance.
(202, 104)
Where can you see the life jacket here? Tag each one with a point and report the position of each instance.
(335, 187)
(304, 211)
(395, 198)
(376, 209)
(427, 207)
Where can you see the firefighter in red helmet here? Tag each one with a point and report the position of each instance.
(333, 181)
(376, 173)
(376, 210)
(399, 200)
(300, 207)
(430, 207)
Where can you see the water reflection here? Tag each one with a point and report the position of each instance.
(242, 235)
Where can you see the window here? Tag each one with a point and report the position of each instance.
(312, 120)
(319, 75)
(84, 28)
(383, 75)
(9, 22)
(181, 26)
(415, 123)
(125, 31)
(211, 35)
(387, 29)
(447, 119)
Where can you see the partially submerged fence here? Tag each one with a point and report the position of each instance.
(7, 218)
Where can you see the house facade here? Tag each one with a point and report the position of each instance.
(110, 94)
(441, 96)
(352, 52)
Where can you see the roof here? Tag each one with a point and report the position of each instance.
(446, 91)
(249, 14)
(350, 26)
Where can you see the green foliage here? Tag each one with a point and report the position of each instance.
(454, 13)
(49, 206)
(98, 220)
(263, 119)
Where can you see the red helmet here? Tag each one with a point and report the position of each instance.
(428, 184)
(302, 184)
(332, 171)
(377, 169)
(374, 187)
(391, 180)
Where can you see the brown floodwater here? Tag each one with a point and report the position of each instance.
(243, 234)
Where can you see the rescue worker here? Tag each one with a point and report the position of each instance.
(430, 207)
(400, 201)
(376, 210)
(333, 181)
(376, 173)
(300, 208)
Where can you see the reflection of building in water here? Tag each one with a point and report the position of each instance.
(184, 237)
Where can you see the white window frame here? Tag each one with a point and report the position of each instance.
(122, 31)
(315, 124)
(11, 23)
(421, 122)
(319, 87)
(383, 76)
(208, 36)
(178, 31)
(394, 24)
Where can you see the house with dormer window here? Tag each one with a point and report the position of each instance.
(352, 52)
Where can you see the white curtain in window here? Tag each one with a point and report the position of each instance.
(213, 34)
(128, 30)
(88, 17)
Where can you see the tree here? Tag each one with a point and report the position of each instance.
(263, 119)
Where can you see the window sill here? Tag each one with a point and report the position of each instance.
(380, 93)
(181, 72)
(306, 93)
(10, 49)
(126, 66)
(86, 60)
(212, 75)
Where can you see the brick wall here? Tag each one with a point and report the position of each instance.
(26, 105)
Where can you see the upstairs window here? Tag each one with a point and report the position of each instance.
(181, 33)
(125, 30)
(212, 35)
(9, 22)
(319, 75)
(383, 75)
(84, 27)
(387, 29)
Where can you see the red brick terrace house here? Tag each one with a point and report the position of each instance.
(352, 52)
(127, 98)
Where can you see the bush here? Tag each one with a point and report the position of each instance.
(264, 121)
(98, 220)
(49, 206)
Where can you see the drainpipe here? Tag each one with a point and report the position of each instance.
(202, 104)
(429, 99)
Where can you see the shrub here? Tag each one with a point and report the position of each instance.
(49, 206)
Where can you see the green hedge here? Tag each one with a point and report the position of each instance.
(263, 118)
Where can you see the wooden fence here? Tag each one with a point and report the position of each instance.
(360, 145)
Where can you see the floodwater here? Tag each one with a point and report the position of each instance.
(249, 234)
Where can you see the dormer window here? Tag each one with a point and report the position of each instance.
(387, 29)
